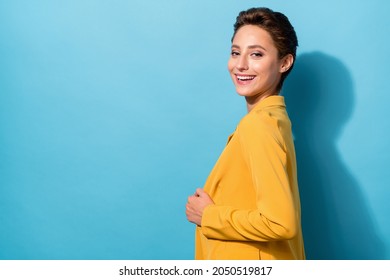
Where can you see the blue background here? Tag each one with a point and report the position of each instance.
(113, 112)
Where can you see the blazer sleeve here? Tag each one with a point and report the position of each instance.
(275, 218)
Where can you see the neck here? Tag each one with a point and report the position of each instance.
(252, 101)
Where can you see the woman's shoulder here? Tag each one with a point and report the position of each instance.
(270, 111)
(268, 118)
(265, 123)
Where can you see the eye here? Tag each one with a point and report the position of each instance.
(235, 53)
(257, 54)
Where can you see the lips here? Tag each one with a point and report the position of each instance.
(244, 79)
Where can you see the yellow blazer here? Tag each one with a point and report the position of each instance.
(257, 212)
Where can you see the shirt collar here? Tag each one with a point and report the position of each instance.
(273, 100)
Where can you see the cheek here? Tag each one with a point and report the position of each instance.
(265, 68)
(230, 65)
(259, 66)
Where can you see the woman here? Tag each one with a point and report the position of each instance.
(249, 207)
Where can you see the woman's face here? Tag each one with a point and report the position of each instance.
(254, 64)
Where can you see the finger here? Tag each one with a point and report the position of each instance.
(199, 191)
(191, 199)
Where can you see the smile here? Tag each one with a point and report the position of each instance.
(245, 77)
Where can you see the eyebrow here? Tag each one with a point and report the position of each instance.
(250, 47)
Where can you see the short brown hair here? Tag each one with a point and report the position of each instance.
(277, 25)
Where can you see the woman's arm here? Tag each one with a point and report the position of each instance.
(276, 217)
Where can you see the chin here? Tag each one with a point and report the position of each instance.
(244, 93)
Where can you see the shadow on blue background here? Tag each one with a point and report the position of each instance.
(337, 223)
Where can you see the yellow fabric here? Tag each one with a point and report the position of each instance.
(254, 186)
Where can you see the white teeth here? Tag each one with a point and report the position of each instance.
(245, 78)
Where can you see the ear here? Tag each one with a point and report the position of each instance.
(286, 63)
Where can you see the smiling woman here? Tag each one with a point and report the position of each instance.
(254, 65)
(249, 207)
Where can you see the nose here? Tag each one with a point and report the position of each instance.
(242, 63)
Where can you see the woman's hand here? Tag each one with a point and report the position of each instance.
(196, 204)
